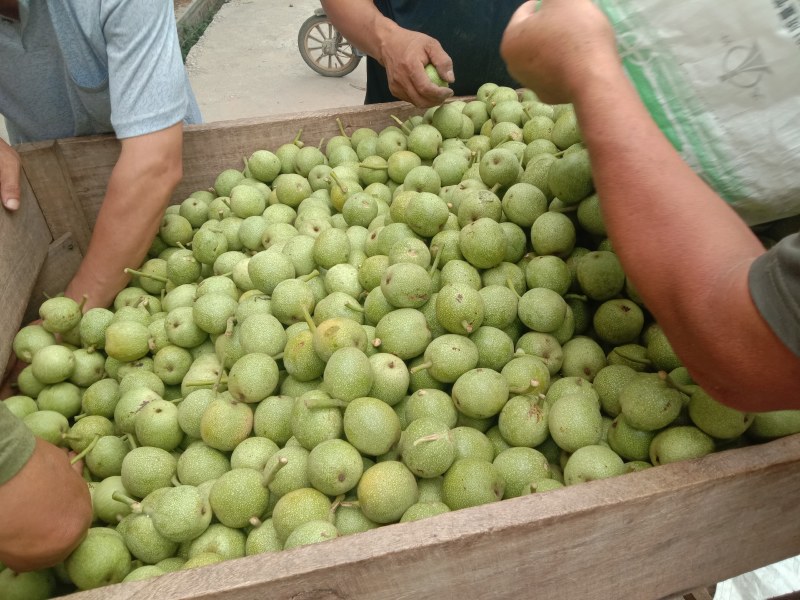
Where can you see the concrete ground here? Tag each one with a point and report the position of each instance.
(247, 64)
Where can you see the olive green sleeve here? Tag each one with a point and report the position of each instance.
(16, 444)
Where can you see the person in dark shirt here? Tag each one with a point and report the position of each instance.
(461, 38)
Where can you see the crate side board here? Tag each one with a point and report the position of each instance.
(86, 163)
(649, 534)
(209, 149)
(62, 261)
(24, 242)
(51, 179)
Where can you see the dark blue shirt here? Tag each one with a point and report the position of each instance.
(469, 31)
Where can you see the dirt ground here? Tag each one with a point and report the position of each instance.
(179, 4)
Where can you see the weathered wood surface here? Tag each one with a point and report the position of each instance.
(211, 148)
(87, 164)
(52, 182)
(24, 240)
(647, 535)
(208, 150)
(62, 260)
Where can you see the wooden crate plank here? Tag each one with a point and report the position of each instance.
(213, 147)
(52, 184)
(69, 176)
(645, 535)
(89, 161)
(24, 239)
(62, 261)
(209, 149)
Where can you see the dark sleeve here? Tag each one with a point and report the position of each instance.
(775, 287)
(377, 79)
(469, 31)
(377, 84)
(16, 444)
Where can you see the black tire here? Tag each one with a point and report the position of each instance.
(324, 49)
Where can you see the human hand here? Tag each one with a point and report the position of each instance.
(553, 49)
(404, 54)
(9, 176)
(52, 510)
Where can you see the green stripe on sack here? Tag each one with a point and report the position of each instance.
(680, 116)
(637, 75)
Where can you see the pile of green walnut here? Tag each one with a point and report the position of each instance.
(379, 328)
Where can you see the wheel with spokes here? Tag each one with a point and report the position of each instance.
(324, 49)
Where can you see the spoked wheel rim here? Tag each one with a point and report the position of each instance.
(325, 50)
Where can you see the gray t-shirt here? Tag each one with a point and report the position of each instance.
(73, 68)
(775, 287)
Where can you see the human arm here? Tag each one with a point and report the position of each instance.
(150, 97)
(9, 176)
(47, 497)
(685, 249)
(139, 189)
(402, 52)
(147, 171)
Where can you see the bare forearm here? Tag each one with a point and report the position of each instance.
(653, 201)
(361, 23)
(402, 52)
(684, 248)
(138, 192)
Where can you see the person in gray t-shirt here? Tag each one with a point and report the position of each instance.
(728, 306)
(74, 68)
(775, 287)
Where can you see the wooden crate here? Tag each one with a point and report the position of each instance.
(653, 534)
